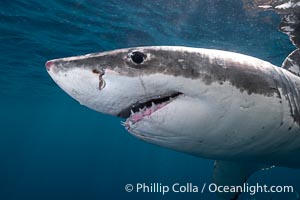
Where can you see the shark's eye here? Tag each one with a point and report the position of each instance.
(137, 57)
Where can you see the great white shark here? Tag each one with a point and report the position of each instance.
(241, 111)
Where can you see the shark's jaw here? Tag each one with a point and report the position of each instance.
(145, 108)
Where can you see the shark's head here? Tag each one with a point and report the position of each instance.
(166, 94)
(118, 82)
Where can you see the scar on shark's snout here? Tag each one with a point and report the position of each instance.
(101, 82)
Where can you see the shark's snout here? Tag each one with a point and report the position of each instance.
(48, 65)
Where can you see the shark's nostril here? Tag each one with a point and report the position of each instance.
(48, 65)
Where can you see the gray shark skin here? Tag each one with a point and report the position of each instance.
(241, 111)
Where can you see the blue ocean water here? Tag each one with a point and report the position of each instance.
(53, 148)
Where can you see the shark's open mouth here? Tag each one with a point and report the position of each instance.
(141, 109)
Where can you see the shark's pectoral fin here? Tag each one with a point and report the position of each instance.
(228, 173)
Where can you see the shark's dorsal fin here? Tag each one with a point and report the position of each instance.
(292, 62)
(227, 173)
